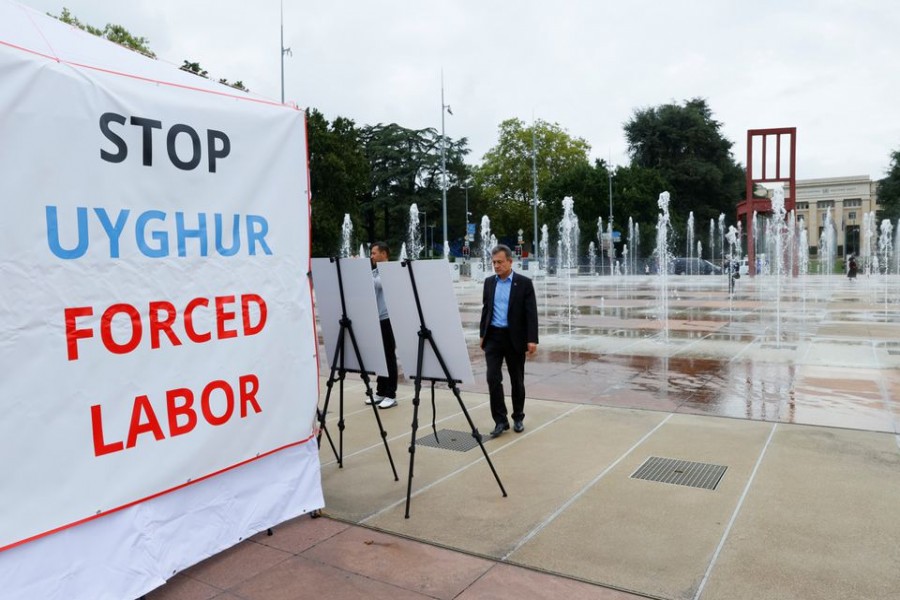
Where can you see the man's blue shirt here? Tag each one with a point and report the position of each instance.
(501, 301)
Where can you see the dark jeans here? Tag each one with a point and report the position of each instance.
(498, 348)
(387, 386)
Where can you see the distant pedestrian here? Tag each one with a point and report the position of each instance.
(734, 272)
(852, 268)
(386, 387)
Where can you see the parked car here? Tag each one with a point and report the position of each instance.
(693, 266)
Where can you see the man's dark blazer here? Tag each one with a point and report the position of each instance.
(522, 315)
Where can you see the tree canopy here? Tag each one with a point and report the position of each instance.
(339, 177)
(588, 185)
(505, 177)
(119, 35)
(405, 169)
(684, 145)
(113, 33)
(889, 190)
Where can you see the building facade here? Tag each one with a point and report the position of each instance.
(848, 198)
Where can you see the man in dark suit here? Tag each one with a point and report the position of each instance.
(509, 331)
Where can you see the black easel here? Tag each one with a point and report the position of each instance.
(338, 373)
(425, 336)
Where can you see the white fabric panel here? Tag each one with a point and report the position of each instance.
(131, 552)
(88, 434)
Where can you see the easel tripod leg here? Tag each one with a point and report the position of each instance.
(477, 437)
(365, 378)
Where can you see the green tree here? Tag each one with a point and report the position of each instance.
(685, 146)
(123, 37)
(195, 68)
(588, 185)
(238, 85)
(505, 175)
(114, 33)
(339, 178)
(635, 193)
(889, 191)
(406, 169)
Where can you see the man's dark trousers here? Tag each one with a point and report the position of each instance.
(386, 387)
(498, 347)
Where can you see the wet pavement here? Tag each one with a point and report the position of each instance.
(793, 386)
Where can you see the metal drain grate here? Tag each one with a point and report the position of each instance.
(449, 439)
(680, 472)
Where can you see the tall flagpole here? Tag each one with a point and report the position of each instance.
(444, 107)
(283, 51)
(537, 255)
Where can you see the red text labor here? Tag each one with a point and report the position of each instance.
(216, 404)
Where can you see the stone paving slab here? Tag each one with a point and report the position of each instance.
(819, 522)
(560, 451)
(655, 538)
(400, 562)
(503, 582)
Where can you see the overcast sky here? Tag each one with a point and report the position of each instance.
(829, 68)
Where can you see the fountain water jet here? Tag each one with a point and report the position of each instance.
(827, 249)
(567, 260)
(485, 245)
(869, 242)
(690, 243)
(722, 237)
(346, 235)
(886, 246)
(412, 233)
(612, 248)
(662, 262)
(777, 232)
(568, 236)
(632, 241)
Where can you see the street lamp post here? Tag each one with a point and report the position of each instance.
(444, 107)
(534, 180)
(612, 249)
(466, 237)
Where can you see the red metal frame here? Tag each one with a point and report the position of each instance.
(746, 208)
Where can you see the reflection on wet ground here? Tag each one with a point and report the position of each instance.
(822, 353)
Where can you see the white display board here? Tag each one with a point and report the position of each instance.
(156, 327)
(362, 310)
(441, 313)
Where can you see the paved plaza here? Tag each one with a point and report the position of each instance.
(789, 390)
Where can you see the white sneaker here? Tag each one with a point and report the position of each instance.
(388, 402)
(374, 399)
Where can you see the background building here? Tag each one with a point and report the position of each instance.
(849, 198)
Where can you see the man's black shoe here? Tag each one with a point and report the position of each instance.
(518, 426)
(500, 428)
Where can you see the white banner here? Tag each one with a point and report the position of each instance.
(156, 324)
